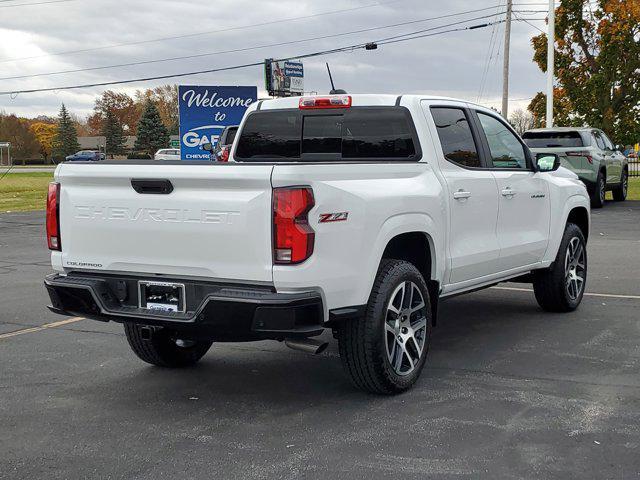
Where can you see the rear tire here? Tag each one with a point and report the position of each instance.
(384, 352)
(597, 199)
(620, 192)
(162, 349)
(560, 287)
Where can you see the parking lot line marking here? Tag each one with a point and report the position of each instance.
(42, 327)
(587, 294)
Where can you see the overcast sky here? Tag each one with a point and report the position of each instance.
(451, 64)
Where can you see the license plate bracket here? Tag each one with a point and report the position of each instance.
(161, 296)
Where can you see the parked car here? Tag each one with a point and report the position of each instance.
(85, 156)
(220, 152)
(167, 154)
(590, 154)
(351, 213)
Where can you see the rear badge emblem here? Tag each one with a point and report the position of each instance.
(333, 217)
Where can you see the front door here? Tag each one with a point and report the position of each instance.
(524, 204)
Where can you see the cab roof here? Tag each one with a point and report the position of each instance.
(360, 100)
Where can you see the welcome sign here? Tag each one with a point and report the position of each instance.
(204, 113)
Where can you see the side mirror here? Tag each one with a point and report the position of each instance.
(547, 162)
(208, 147)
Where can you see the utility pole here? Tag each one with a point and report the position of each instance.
(505, 69)
(551, 37)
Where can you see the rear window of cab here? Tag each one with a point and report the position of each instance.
(325, 135)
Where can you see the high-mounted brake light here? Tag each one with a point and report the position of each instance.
(333, 101)
(53, 216)
(293, 237)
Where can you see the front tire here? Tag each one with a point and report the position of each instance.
(620, 192)
(385, 351)
(560, 287)
(597, 199)
(163, 349)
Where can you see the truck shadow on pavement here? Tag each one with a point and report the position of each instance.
(473, 333)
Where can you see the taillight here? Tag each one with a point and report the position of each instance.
(334, 101)
(293, 237)
(580, 154)
(224, 154)
(53, 216)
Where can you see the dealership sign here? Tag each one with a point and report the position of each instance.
(284, 78)
(206, 111)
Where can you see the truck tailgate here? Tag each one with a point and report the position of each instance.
(215, 223)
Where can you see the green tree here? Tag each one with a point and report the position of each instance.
(152, 134)
(65, 141)
(597, 61)
(114, 134)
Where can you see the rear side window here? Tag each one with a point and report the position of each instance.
(354, 134)
(455, 136)
(231, 135)
(553, 139)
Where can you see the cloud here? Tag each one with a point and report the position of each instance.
(451, 64)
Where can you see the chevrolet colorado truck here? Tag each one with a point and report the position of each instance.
(588, 153)
(352, 213)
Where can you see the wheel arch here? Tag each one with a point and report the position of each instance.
(580, 217)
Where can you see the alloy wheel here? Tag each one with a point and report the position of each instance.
(575, 268)
(405, 328)
(603, 191)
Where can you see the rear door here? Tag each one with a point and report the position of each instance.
(358, 162)
(524, 204)
(167, 218)
(473, 194)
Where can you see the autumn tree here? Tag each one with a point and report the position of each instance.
(65, 141)
(45, 133)
(121, 105)
(114, 135)
(564, 113)
(152, 134)
(597, 61)
(16, 131)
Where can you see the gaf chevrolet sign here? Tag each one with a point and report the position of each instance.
(205, 111)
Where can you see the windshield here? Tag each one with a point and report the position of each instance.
(354, 134)
(553, 139)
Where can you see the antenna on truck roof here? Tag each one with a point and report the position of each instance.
(334, 91)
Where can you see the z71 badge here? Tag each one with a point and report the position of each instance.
(333, 217)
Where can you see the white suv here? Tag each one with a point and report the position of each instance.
(355, 213)
(167, 154)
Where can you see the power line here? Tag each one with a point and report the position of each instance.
(246, 65)
(244, 49)
(35, 3)
(189, 35)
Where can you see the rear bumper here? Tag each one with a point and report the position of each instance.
(216, 311)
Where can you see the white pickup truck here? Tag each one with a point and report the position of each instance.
(355, 213)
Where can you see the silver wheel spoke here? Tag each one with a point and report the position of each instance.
(420, 324)
(418, 307)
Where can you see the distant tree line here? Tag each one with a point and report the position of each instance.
(151, 114)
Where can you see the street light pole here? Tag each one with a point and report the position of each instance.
(505, 68)
(551, 36)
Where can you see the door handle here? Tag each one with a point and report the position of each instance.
(152, 186)
(507, 192)
(461, 194)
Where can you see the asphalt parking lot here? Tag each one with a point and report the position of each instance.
(509, 391)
